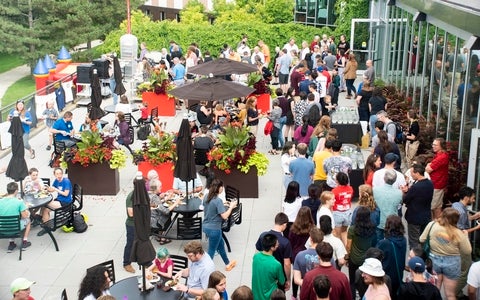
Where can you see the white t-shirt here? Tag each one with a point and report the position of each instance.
(339, 250)
(473, 278)
(378, 179)
(322, 82)
(324, 211)
(291, 209)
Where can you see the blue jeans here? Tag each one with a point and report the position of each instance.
(216, 243)
(373, 120)
(281, 138)
(113, 84)
(128, 246)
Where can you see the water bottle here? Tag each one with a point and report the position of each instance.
(361, 162)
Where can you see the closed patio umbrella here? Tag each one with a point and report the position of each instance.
(185, 165)
(117, 74)
(222, 66)
(211, 89)
(96, 98)
(17, 166)
(142, 249)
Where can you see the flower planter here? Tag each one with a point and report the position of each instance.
(247, 183)
(164, 170)
(96, 179)
(263, 102)
(166, 105)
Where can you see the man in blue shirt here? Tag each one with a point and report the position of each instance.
(302, 169)
(63, 129)
(63, 187)
(178, 72)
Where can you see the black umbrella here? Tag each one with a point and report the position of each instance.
(211, 89)
(185, 165)
(117, 74)
(142, 249)
(96, 97)
(17, 167)
(222, 66)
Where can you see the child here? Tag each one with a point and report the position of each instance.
(328, 104)
(33, 184)
(342, 207)
(124, 105)
(163, 264)
(144, 112)
(50, 115)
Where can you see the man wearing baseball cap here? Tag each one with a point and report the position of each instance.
(418, 287)
(20, 289)
(374, 275)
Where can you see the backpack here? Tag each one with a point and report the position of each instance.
(399, 136)
(79, 224)
(143, 132)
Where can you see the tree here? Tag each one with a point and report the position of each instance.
(193, 13)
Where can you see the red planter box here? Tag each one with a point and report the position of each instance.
(263, 102)
(165, 172)
(166, 106)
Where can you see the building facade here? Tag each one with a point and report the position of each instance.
(160, 10)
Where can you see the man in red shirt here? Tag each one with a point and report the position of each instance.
(340, 287)
(438, 170)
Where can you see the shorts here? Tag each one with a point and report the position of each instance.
(437, 199)
(283, 78)
(342, 218)
(447, 265)
(24, 223)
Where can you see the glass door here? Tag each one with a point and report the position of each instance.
(473, 181)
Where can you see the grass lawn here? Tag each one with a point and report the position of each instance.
(19, 89)
(9, 61)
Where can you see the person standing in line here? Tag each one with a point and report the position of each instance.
(50, 115)
(307, 260)
(467, 198)
(334, 164)
(302, 169)
(438, 170)
(26, 119)
(267, 272)
(350, 74)
(373, 275)
(418, 287)
(214, 215)
(411, 146)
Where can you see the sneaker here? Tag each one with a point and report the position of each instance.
(129, 268)
(11, 247)
(231, 265)
(49, 148)
(26, 244)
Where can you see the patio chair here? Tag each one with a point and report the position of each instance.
(189, 228)
(77, 197)
(110, 266)
(45, 181)
(234, 218)
(62, 216)
(10, 228)
(179, 263)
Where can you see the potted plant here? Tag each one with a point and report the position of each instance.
(155, 93)
(159, 153)
(95, 159)
(236, 156)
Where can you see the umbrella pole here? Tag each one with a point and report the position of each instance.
(186, 185)
(144, 281)
(21, 189)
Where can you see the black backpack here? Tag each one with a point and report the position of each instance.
(143, 132)
(79, 224)
(399, 137)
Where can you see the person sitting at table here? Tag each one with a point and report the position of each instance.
(144, 112)
(90, 125)
(63, 129)
(162, 264)
(122, 128)
(95, 284)
(192, 121)
(10, 205)
(218, 281)
(63, 187)
(124, 105)
(210, 294)
(214, 214)
(33, 184)
(204, 114)
(160, 215)
(198, 271)
(180, 186)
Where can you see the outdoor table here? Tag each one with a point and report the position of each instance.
(33, 202)
(349, 133)
(189, 209)
(110, 109)
(128, 289)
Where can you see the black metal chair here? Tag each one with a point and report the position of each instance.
(179, 263)
(232, 193)
(62, 216)
(110, 266)
(189, 228)
(128, 118)
(45, 181)
(58, 147)
(64, 295)
(235, 216)
(10, 228)
(153, 116)
(77, 197)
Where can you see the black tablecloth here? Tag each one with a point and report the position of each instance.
(349, 133)
(129, 287)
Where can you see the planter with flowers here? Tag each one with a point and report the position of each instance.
(262, 91)
(94, 164)
(158, 153)
(155, 93)
(236, 161)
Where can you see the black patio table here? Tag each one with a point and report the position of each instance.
(191, 207)
(35, 201)
(110, 109)
(128, 289)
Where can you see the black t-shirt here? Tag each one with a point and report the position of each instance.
(377, 103)
(252, 113)
(202, 117)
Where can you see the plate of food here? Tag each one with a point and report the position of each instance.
(153, 279)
